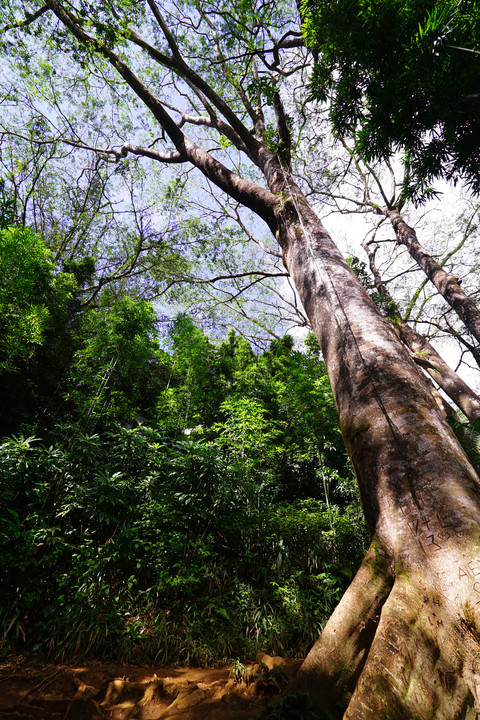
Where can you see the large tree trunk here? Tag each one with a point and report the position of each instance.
(412, 650)
(404, 641)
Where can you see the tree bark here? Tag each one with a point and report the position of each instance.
(448, 285)
(452, 384)
(424, 354)
(420, 495)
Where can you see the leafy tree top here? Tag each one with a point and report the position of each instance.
(402, 76)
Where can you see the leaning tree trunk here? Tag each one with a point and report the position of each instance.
(447, 284)
(424, 354)
(405, 640)
(447, 379)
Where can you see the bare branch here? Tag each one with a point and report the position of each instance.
(179, 66)
(167, 157)
(255, 197)
(236, 217)
(232, 276)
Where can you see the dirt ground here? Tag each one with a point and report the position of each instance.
(34, 690)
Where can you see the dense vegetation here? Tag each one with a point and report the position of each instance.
(189, 504)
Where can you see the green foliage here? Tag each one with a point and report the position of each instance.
(239, 671)
(161, 510)
(245, 432)
(468, 435)
(399, 78)
(40, 313)
(7, 207)
(113, 369)
(186, 507)
(31, 294)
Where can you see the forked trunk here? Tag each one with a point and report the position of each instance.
(404, 641)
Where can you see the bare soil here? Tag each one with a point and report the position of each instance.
(32, 689)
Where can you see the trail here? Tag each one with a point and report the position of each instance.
(32, 689)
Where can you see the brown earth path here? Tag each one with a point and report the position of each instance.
(34, 690)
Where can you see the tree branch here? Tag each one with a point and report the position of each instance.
(425, 355)
(253, 196)
(447, 284)
(29, 19)
(179, 66)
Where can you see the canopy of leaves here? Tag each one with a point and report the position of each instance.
(402, 75)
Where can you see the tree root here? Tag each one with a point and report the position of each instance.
(414, 666)
(395, 649)
(332, 667)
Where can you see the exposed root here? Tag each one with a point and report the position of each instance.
(395, 653)
(103, 692)
(415, 664)
(332, 667)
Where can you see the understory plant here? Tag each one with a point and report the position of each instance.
(191, 508)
